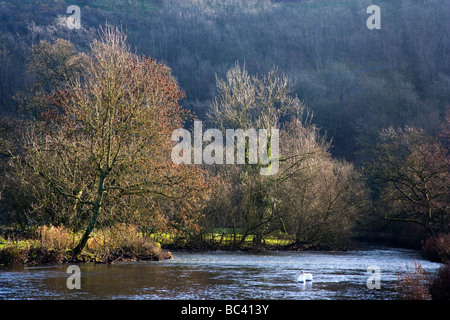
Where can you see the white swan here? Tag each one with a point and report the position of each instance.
(303, 277)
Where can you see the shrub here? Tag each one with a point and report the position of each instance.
(13, 254)
(413, 285)
(123, 242)
(48, 244)
(55, 237)
(440, 286)
(437, 248)
(30, 252)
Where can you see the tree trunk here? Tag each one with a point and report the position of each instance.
(96, 210)
(84, 239)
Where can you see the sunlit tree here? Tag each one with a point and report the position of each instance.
(103, 142)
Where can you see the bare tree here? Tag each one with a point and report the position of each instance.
(251, 102)
(320, 198)
(414, 168)
(103, 141)
(314, 197)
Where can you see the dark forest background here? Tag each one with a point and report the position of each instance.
(355, 80)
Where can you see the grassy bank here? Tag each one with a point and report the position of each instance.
(55, 244)
(50, 244)
(235, 239)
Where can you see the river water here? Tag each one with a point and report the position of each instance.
(222, 275)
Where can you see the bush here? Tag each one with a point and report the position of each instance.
(123, 242)
(55, 237)
(437, 248)
(440, 286)
(13, 254)
(413, 285)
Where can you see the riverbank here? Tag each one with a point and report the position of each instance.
(49, 244)
(55, 244)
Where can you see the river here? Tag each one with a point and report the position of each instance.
(222, 275)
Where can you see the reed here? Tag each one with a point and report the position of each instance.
(413, 285)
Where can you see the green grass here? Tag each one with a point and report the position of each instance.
(219, 237)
